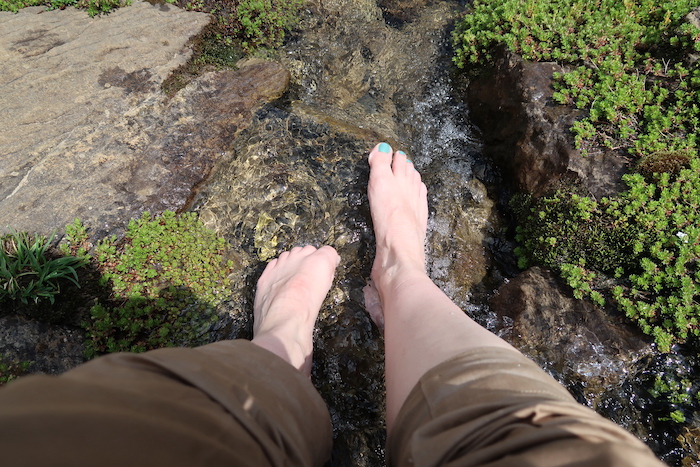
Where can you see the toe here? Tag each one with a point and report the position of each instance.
(331, 253)
(399, 163)
(380, 157)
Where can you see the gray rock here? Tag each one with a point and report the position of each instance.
(51, 349)
(694, 18)
(528, 134)
(88, 133)
(574, 339)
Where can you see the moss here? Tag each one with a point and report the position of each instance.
(640, 249)
(670, 162)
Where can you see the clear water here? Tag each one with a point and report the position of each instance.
(298, 175)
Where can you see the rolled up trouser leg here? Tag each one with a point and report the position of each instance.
(494, 407)
(230, 403)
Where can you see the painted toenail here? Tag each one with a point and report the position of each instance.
(409, 161)
(385, 148)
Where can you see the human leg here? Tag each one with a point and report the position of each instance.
(456, 393)
(422, 325)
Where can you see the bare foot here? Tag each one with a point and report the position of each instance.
(289, 296)
(399, 204)
(373, 304)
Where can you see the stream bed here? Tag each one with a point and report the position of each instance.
(364, 73)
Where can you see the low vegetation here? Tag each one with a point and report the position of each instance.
(30, 272)
(159, 286)
(254, 24)
(166, 278)
(633, 69)
(639, 249)
(631, 65)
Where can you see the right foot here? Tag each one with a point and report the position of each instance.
(398, 200)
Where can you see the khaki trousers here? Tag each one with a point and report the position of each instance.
(232, 403)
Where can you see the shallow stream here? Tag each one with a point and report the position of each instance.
(361, 74)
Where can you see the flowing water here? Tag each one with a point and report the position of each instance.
(361, 74)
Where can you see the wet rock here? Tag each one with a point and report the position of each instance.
(298, 174)
(90, 134)
(396, 12)
(573, 339)
(293, 179)
(528, 135)
(52, 349)
(349, 64)
(460, 222)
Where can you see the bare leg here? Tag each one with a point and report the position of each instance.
(288, 298)
(422, 326)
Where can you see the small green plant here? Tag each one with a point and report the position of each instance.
(264, 22)
(166, 277)
(254, 24)
(641, 249)
(29, 273)
(630, 64)
(11, 369)
(676, 393)
(93, 7)
(76, 240)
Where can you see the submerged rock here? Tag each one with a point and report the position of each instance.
(573, 339)
(298, 174)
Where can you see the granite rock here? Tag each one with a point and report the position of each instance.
(87, 131)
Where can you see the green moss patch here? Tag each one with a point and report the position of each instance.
(641, 249)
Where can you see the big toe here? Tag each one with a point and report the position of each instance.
(380, 157)
(330, 253)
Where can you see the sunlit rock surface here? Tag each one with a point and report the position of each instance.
(572, 338)
(86, 130)
(528, 134)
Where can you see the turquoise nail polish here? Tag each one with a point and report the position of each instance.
(385, 148)
(401, 152)
(409, 161)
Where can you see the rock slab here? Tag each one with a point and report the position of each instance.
(87, 131)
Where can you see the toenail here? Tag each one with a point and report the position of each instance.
(409, 161)
(385, 148)
(401, 152)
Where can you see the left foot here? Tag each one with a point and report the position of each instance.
(288, 298)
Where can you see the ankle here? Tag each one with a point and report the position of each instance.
(393, 281)
(294, 351)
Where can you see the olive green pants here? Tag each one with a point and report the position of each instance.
(232, 403)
